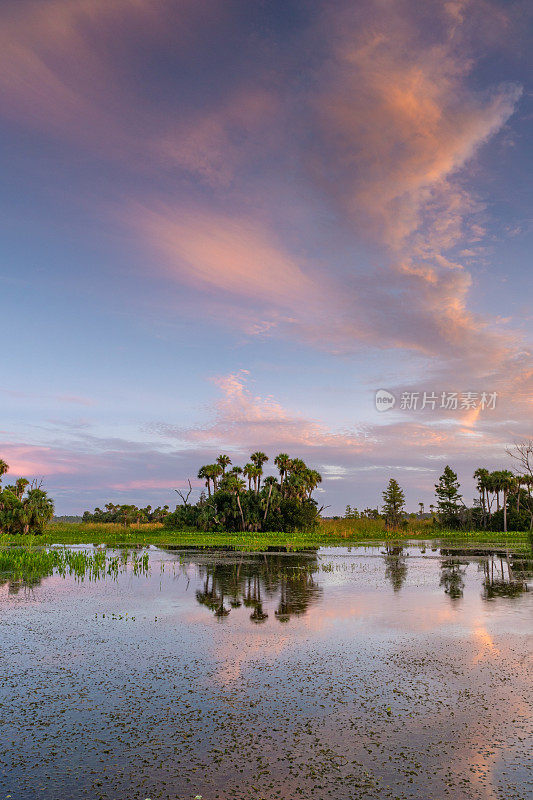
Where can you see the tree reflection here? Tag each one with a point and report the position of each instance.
(505, 575)
(452, 577)
(283, 585)
(248, 580)
(395, 566)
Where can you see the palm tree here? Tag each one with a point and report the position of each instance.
(20, 487)
(248, 472)
(270, 482)
(3, 467)
(312, 478)
(491, 488)
(297, 466)
(216, 471)
(236, 485)
(258, 458)
(506, 482)
(495, 484)
(295, 486)
(223, 461)
(256, 476)
(282, 462)
(40, 508)
(295, 481)
(482, 475)
(204, 475)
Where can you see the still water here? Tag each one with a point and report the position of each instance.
(366, 673)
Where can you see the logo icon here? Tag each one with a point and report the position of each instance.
(384, 400)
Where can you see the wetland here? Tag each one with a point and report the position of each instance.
(387, 670)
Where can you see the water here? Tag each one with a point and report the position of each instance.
(375, 673)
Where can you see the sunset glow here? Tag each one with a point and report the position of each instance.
(227, 224)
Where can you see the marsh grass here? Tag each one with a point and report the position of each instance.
(329, 533)
(32, 563)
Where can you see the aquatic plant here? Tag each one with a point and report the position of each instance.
(31, 564)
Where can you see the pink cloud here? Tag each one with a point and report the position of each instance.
(386, 128)
(60, 69)
(399, 124)
(242, 420)
(35, 461)
(414, 448)
(214, 143)
(224, 252)
(81, 472)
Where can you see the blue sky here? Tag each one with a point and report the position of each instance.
(226, 224)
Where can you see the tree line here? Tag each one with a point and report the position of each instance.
(241, 499)
(126, 514)
(504, 502)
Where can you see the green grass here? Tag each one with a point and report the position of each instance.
(330, 532)
(32, 563)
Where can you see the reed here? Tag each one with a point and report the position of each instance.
(32, 563)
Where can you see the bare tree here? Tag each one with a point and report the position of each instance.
(522, 453)
(186, 497)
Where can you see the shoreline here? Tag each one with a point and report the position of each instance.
(145, 535)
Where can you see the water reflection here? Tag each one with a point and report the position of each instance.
(504, 574)
(394, 673)
(288, 585)
(395, 566)
(452, 577)
(276, 582)
(26, 585)
(248, 580)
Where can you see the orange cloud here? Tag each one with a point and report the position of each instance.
(387, 127)
(403, 121)
(399, 124)
(242, 420)
(227, 253)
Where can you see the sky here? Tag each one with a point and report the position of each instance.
(226, 224)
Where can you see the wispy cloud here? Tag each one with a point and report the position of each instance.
(226, 253)
(243, 420)
(316, 185)
(56, 398)
(215, 144)
(81, 468)
(62, 72)
(399, 123)
(385, 131)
